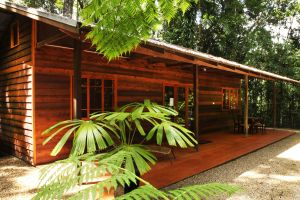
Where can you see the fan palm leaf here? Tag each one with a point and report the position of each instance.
(89, 136)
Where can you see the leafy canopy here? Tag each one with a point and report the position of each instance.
(118, 26)
(264, 34)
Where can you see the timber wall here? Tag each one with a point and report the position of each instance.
(16, 135)
(136, 81)
(211, 115)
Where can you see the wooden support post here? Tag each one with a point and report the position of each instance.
(274, 106)
(196, 103)
(77, 80)
(246, 109)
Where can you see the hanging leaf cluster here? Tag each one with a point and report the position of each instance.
(118, 26)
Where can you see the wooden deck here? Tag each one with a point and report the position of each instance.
(223, 148)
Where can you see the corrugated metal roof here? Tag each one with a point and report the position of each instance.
(219, 60)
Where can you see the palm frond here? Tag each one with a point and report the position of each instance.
(65, 178)
(148, 106)
(62, 177)
(89, 136)
(146, 192)
(174, 133)
(205, 191)
(134, 158)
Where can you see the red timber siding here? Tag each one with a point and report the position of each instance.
(16, 135)
(211, 115)
(136, 81)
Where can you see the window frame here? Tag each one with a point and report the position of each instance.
(186, 96)
(232, 97)
(99, 77)
(12, 40)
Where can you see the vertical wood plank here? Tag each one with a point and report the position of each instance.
(240, 98)
(196, 102)
(274, 106)
(77, 80)
(102, 95)
(33, 48)
(246, 109)
(71, 96)
(115, 83)
(186, 99)
(88, 98)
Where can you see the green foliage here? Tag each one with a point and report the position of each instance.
(205, 191)
(119, 26)
(118, 130)
(47, 5)
(89, 136)
(65, 179)
(249, 32)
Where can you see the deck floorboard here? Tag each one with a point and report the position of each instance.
(225, 146)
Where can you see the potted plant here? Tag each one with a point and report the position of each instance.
(112, 142)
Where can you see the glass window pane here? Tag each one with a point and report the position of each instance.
(83, 82)
(95, 82)
(181, 105)
(191, 108)
(169, 96)
(108, 83)
(226, 99)
(235, 98)
(108, 95)
(83, 93)
(95, 99)
(83, 113)
(108, 99)
(14, 35)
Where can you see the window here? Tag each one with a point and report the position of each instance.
(97, 96)
(14, 35)
(230, 98)
(180, 98)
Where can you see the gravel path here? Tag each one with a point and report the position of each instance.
(268, 174)
(18, 180)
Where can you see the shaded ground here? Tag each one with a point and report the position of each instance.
(17, 179)
(270, 173)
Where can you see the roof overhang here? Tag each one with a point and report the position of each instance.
(170, 51)
(48, 18)
(221, 63)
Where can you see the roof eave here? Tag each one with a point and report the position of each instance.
(48, 18)
(219, 60)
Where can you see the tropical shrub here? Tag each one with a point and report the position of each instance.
(106, 144)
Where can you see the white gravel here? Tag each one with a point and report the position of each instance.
(270, 173)
(18, 180)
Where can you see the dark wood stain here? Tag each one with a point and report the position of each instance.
(16, 134)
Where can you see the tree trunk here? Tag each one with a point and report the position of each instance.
(68, 8)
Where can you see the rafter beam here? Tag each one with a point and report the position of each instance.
(50, 40)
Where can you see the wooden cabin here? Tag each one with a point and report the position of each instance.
(48, 73)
